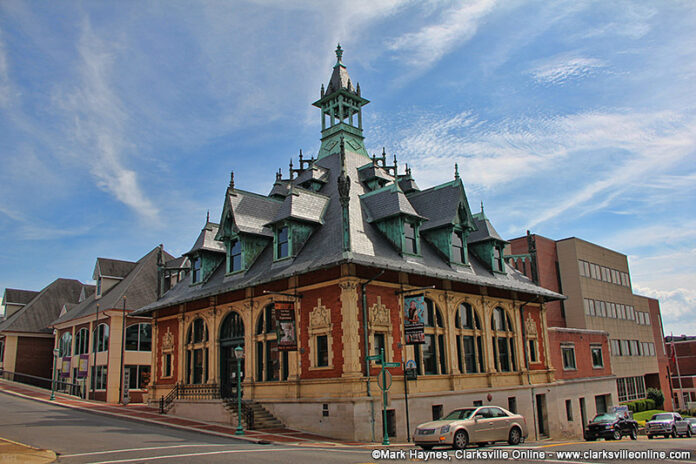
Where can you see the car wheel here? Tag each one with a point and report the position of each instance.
(634, 433)
(590, 438)
(617, 434)
(688, 433)
(461, 439)
(674, 432)
(515, 436)
(650, 437)
(426, 447)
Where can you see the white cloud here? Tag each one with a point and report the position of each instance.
(457, 25)
(99, 125)
(560, 69)
(678, 308)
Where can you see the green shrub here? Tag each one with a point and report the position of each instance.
(650, 404)
(657, 396)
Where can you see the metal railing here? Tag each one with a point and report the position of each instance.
(73, 389)
(207, 391)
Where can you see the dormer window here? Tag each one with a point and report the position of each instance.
(235, 256)
(196, 270)
(282, 243)
(458, 252)
(99, 285)
(410, 239)
(497, 259)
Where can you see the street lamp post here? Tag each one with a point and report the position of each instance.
(53, 376)
(239, 354)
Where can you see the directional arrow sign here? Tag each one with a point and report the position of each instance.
(392, 364)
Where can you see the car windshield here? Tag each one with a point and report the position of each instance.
(605, 418)
(661, 417)
(459, 414)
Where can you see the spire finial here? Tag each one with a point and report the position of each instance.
(232, 180)
(481, 206)
(279, 175)
(300, 158)
(339, 54)
(290, 168)
(322, 90)
(456, 171)
(207, 217)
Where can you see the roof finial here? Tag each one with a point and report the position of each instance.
(408, 170)
(300, 158)
(207, 217)
(481, 207)
(279, 175)
(322, 90)
(456, 171)
(290, 168)
(232, 180)
(339, 54)
(358, 89)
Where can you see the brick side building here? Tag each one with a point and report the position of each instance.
(681, 352)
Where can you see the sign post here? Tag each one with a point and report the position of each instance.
(239, 354)
(384, 382)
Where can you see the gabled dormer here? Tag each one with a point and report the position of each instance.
(301, 213)
(313, 178)
(394, 216)
(486, 244)
(206, 254)
(449, 219)
(243, 229)
(109, 272)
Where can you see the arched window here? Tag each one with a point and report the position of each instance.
(82, 341)
(503, 341)
(271, 364)
(65, 346)
(469, 340)
(430, 356)
(197, 352)
(101, 338)
(139, 337)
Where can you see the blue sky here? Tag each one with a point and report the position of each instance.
(120, 121)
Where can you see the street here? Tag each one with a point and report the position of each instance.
(80, 437)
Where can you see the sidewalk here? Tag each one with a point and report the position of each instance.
(11, 451)
(142, 413)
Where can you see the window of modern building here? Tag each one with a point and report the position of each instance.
(139, 337)
(98, 378)
(458, 248)
(197, 352)
(101, 338)
(65, 345)
(469, 340)
(138, 377)
(430, 356)
(271, 364)
(282, 243)
(82, 342)
(597, 358)
(503, 341)
(625, 349)
(410, 239)
(568, 354)
(235, 256)
(196, 270)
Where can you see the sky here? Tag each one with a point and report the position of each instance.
(121, 121)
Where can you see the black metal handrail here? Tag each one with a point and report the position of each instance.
(206, 391)
(73, 389)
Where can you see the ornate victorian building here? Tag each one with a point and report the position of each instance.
(311, 278)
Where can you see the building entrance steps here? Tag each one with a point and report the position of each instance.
(143, 413)
(254, 416)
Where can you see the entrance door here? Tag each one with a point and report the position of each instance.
(231, 336)
(583, 413)
(541, 415)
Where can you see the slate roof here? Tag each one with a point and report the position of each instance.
(314, 172)
(372, 171)
(484, 230)
(407, 184)
(206, 240)
(87, 291)
(176, 263)
(280, 187)
(112, 268)
(139, 287)
(339, 80)
(303, 205)
(439, 204)
(252, 212)
(386, 202)
(17, 296)
(39, 313)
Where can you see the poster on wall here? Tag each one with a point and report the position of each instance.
(285, 325)
(65, 367)
(82, 366)
(414, 319)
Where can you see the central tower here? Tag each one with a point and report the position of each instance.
(341, 106)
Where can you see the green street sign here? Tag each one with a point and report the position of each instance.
(392, 364)
(376, 357)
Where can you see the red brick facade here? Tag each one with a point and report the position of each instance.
(582, 341)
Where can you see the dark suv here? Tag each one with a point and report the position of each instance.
(611, 426)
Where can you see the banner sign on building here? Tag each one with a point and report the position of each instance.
(125, 396)
(83, 366)
(65, 367)
(285, 325)
(414, 319)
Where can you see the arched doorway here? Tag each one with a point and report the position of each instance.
(231, 336)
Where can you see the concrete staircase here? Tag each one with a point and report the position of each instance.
(262, 418)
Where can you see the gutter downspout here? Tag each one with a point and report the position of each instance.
(367, 348)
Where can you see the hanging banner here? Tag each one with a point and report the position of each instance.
(83, 366)
(414, 319)
(65, 367)
(285, 325)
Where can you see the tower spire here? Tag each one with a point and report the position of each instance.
(339, 55)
